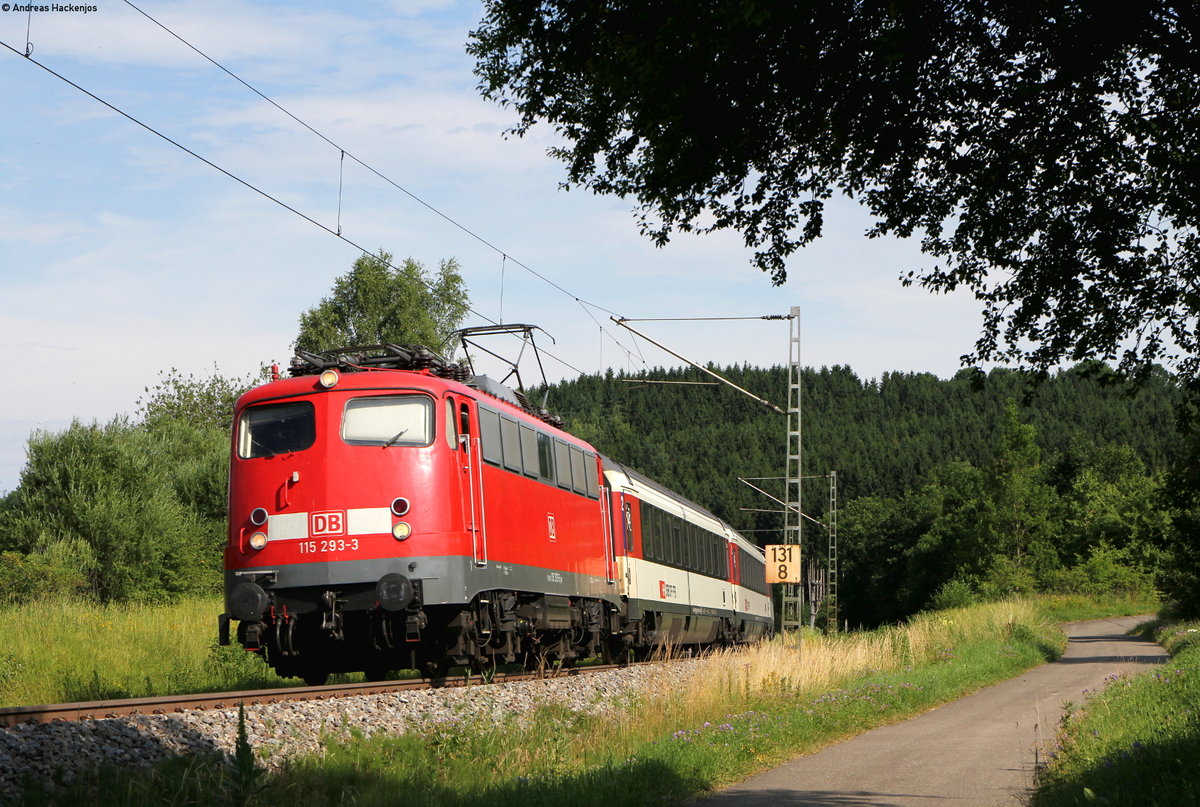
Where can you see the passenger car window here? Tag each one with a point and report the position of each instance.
(270, 429)
(405, 420)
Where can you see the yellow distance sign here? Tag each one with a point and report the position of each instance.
(783, 563)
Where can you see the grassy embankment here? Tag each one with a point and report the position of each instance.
(60, 651)
(1138, 741)
(749, 710)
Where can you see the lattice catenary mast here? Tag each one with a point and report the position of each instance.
(792, 513)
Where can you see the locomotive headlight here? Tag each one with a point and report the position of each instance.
(401, 531)
(258, 516)
(329, 379)
(400, 506)
(258, 540)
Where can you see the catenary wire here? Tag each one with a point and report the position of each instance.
(368, 167)
(241, 181)
(343, 153)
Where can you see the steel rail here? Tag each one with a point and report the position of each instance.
(167, 704)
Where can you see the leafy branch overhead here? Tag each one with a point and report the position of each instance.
(1045, 153)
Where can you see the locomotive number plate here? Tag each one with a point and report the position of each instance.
(329, 545)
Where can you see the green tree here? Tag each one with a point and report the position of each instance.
(203, 402)
(1045, 153)
(100, 505)
(375, 303)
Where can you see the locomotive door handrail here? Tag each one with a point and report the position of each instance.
(478, 524)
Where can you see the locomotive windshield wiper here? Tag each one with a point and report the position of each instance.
(392, 442)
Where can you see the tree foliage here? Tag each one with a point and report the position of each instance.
(129, 509)
(375, 303)
(948, 488)
(107, 510)
(1045, 153)
(207, 402)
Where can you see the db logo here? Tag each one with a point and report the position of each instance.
(331, 522)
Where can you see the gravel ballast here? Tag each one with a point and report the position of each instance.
(278, 731)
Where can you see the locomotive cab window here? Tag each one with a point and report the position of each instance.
(451, 431)
(405, 420)
(267, 430)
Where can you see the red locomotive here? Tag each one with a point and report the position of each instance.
(389, 511)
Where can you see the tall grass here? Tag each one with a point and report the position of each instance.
(71, 650)
(1077, 607)
(792, 669)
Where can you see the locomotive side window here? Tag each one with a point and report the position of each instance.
(405, 420)
(489, 434)
(562, 462)
(264, 431)
(510, 441)
(545, 453)
(529, 451)
(578, 471)
(591, 478)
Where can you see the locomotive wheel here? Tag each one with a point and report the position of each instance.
(615, 651)
(315, 678)
(435, 668)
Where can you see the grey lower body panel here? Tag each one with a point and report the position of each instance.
(444, 580)
(683, 623)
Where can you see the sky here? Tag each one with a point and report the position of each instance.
(122, 256)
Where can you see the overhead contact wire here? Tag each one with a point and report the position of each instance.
(239, 180)
(365, 165)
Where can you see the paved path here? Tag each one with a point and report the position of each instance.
(977, 751)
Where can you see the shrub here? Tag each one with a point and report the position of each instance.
(957, 593)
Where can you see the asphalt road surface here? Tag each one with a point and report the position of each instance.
(976, 751)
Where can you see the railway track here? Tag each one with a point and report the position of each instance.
(167, 704)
